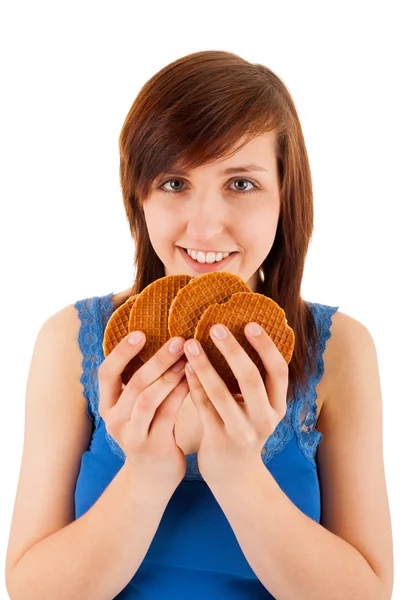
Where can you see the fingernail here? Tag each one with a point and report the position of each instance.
(194, 349)
(176, 346)
(135, 338)
(219, 331)
(254, 329)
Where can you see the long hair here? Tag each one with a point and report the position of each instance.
(194, 111)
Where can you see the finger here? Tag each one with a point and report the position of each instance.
(165, 415)
(147, 401)
(110, 370)
(247, 374)
(213, 385)
(277, 378)
(152, 369)
(207, 412)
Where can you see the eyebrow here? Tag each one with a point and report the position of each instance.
(241, 169)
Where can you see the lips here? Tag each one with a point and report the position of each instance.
(206, 251)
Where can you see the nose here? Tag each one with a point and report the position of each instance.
(205, 219)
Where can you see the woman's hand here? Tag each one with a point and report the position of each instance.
(141, 418)
(235, 428)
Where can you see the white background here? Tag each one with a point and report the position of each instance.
(69, 74)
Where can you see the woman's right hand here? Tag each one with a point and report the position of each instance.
(141, 418)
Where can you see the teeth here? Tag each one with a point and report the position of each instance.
(208, 257)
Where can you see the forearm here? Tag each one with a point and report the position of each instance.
(96, 555)
(292, 555)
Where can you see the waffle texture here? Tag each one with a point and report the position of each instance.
(240, 309)
(150, 312)
(179, 305)
(200, 293)
(117, 328)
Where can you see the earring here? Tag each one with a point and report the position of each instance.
(261, 274)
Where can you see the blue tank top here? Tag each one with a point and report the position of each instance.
(194, 553)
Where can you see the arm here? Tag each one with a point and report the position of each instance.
(349, 555)
(50, 554)
(292, 555)
(95, 556)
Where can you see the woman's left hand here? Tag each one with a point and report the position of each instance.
(235, 428)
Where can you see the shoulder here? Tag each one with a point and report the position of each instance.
(58, 339)
(350, 350)
(61, 327)
(55, 403)
(347, 330)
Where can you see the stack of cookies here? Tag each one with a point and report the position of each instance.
(181, 305)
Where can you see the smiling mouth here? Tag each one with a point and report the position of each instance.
(218, 257)
(205, 267)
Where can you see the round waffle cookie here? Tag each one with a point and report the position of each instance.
(150, 312)
(116, 330)
(242, 308)
(193, 299)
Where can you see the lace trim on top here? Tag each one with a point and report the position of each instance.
(94, 314)
(300, 417)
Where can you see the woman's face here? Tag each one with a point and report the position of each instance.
(211, 211)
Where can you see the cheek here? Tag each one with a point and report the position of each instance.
(260, 225)
(161, 224)
(258, 232)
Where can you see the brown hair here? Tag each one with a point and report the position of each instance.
(194, 111)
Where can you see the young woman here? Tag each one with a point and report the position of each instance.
(171, 487)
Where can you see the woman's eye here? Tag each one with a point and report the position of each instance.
(173, 189)
(247, 181)
(241, 180)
